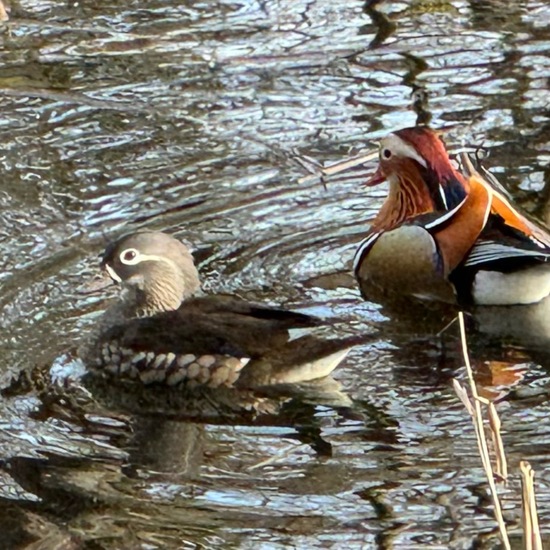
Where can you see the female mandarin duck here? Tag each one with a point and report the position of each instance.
(160, 331)
(448, 235)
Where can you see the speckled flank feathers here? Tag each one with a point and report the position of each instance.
(169, 368)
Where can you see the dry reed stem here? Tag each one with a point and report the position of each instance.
(475, 410)
(3, 12)
(531, 532)
(495, 424)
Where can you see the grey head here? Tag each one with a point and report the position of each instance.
(156, 269)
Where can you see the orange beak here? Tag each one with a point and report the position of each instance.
(377, 178)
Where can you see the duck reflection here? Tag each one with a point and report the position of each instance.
(527, 325)
(504, 344)
(169, 425)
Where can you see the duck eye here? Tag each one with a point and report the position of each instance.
(386, 153)
(129, 256)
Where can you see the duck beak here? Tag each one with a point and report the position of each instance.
(377, 178)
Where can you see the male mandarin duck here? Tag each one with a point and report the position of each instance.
(161, 332)
(448, 235)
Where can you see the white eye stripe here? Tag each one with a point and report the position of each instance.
(132, 256)
(400, 148)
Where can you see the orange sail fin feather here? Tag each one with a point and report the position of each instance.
(456, 239)
(502, 206)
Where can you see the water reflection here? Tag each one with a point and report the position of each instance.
(186, 119)
(527, 326)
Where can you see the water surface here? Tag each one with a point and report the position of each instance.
(189, 118)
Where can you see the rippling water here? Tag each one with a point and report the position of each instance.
(189, 118)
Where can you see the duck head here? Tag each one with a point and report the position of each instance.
(156, 269)
(420, 174)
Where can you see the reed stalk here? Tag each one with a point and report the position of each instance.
(473, 406)
(531, 532)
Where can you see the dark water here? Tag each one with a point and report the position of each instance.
(188, 117)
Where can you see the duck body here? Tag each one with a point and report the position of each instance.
(448, 235)
(403, 262)
(162, 332)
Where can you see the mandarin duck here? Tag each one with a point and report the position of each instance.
(448, 233)
(160, 331)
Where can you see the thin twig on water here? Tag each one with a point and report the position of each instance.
(320, 172)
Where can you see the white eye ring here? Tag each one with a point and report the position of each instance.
(386, 153)
(130, 256)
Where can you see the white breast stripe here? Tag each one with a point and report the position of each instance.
(443, 197)
(444, 217)
(490, 251)
(363, 247)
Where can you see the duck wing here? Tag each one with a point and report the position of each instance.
(211, 325)
(211, 340)
(505, 266)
